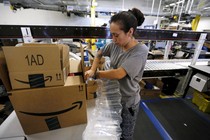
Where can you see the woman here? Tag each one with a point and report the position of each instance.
(127, 59)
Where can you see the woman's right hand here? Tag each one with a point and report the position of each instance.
(90, 73)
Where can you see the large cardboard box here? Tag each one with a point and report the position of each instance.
(37, 65)
(44, 109)
(49, 108)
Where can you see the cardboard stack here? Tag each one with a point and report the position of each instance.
(43, 97)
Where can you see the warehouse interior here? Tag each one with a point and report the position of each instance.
(61, 38)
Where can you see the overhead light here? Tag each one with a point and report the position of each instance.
(206, 8)
(172, 4)
(6, 2)
(70, 8)
(112, 13)
(95, 4)
(88, 7)
(179, 2)
(69, 2)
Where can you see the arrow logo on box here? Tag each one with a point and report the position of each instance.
(47, 78)
(75, 104)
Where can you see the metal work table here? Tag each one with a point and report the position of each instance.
(202, 69)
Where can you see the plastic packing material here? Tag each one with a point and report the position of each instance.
(110, 98)
(107, 102)
(105, 119)
(99, 135)
(117, 108)
(100, 126)
(108, 115)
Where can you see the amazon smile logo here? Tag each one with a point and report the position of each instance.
(74, 105)
(47, 78)
(36, 80)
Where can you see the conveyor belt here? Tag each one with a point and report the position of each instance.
(144, 128)
(163, 66)
(174, 119)
(168, 68)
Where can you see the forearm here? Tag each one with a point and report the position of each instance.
(95, 64)
(96, 61)
(110, 74)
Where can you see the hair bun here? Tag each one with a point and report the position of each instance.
(138, 14)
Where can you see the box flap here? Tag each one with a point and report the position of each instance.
(65, 54)
(82, 59)
(73, 80)
(75, 66)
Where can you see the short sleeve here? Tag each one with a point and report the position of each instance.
(133, 65)
(106, 50)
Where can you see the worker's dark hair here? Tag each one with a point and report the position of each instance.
(128, 19)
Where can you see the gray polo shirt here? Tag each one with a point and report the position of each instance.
(133, 61)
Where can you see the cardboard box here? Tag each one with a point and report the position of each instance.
(1, 107)
(37, 65)
(153, 91)
(202, 100)
(45, 109)
(75, 66)
(91, 89)
(207, 45)
(91, 85)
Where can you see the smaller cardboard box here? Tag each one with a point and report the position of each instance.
(50, 108)
(37, 65)
(91, 85)
(77, 66)
(91, 89)
(150, 88)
